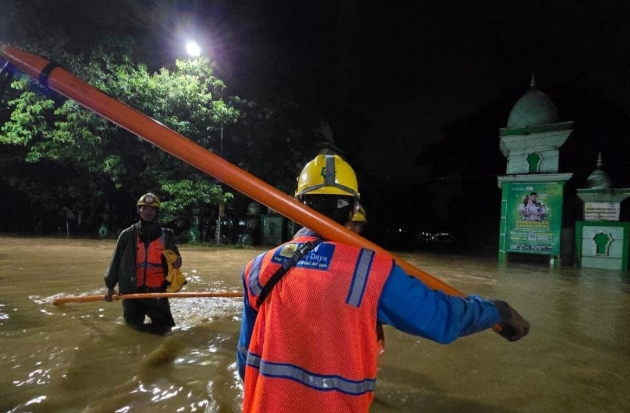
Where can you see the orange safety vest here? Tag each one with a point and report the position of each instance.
(149, 268)
(313, 346)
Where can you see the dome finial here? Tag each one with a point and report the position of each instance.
(532, 83)
(599, 179)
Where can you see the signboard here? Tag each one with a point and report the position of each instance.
(601, 211)
(534, 218)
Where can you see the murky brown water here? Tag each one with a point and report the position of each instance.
(82, 358)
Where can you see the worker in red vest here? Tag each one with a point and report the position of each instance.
(307, 341)
(140, 266)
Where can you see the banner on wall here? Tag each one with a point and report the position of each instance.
(534, 218)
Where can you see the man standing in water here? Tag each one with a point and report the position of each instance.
(139, 266)
(308, 344)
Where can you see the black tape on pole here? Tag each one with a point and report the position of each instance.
(43, 75)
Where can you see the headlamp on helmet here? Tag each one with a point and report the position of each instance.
(149, 199)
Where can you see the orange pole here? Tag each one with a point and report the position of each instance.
(65, 83)
(92, 298)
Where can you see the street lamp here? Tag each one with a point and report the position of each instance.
(194, 50)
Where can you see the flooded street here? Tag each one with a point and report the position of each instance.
(82, 358)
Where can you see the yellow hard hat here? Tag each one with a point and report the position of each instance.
(327, 175)
(360, 215)
(149, 199)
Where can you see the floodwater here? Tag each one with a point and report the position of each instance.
(82, 358)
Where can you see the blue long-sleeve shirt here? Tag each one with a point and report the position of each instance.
(407, 304)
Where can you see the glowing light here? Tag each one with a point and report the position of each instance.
(193, 49)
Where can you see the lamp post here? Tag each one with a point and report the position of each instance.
(221, 204)
(194, 50)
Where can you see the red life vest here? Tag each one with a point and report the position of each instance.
(313, 347)
(149, 268)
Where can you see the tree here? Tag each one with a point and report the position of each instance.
(186, 99)
(43, 185)
(99, 168)
(273, 140)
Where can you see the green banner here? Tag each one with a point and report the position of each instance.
(534, 217)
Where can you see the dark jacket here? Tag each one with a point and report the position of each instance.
(122, 268)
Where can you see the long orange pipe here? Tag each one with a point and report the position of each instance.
(101, 297)
(179, 146)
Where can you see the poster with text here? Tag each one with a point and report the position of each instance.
(534, 218)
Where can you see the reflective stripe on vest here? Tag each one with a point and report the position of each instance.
(310, 379)
(149, 268)
(359, 279)
(254, 283)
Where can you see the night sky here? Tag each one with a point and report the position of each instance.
(387, 76)
(392, 77)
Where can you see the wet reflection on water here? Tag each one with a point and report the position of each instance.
(82, 358)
